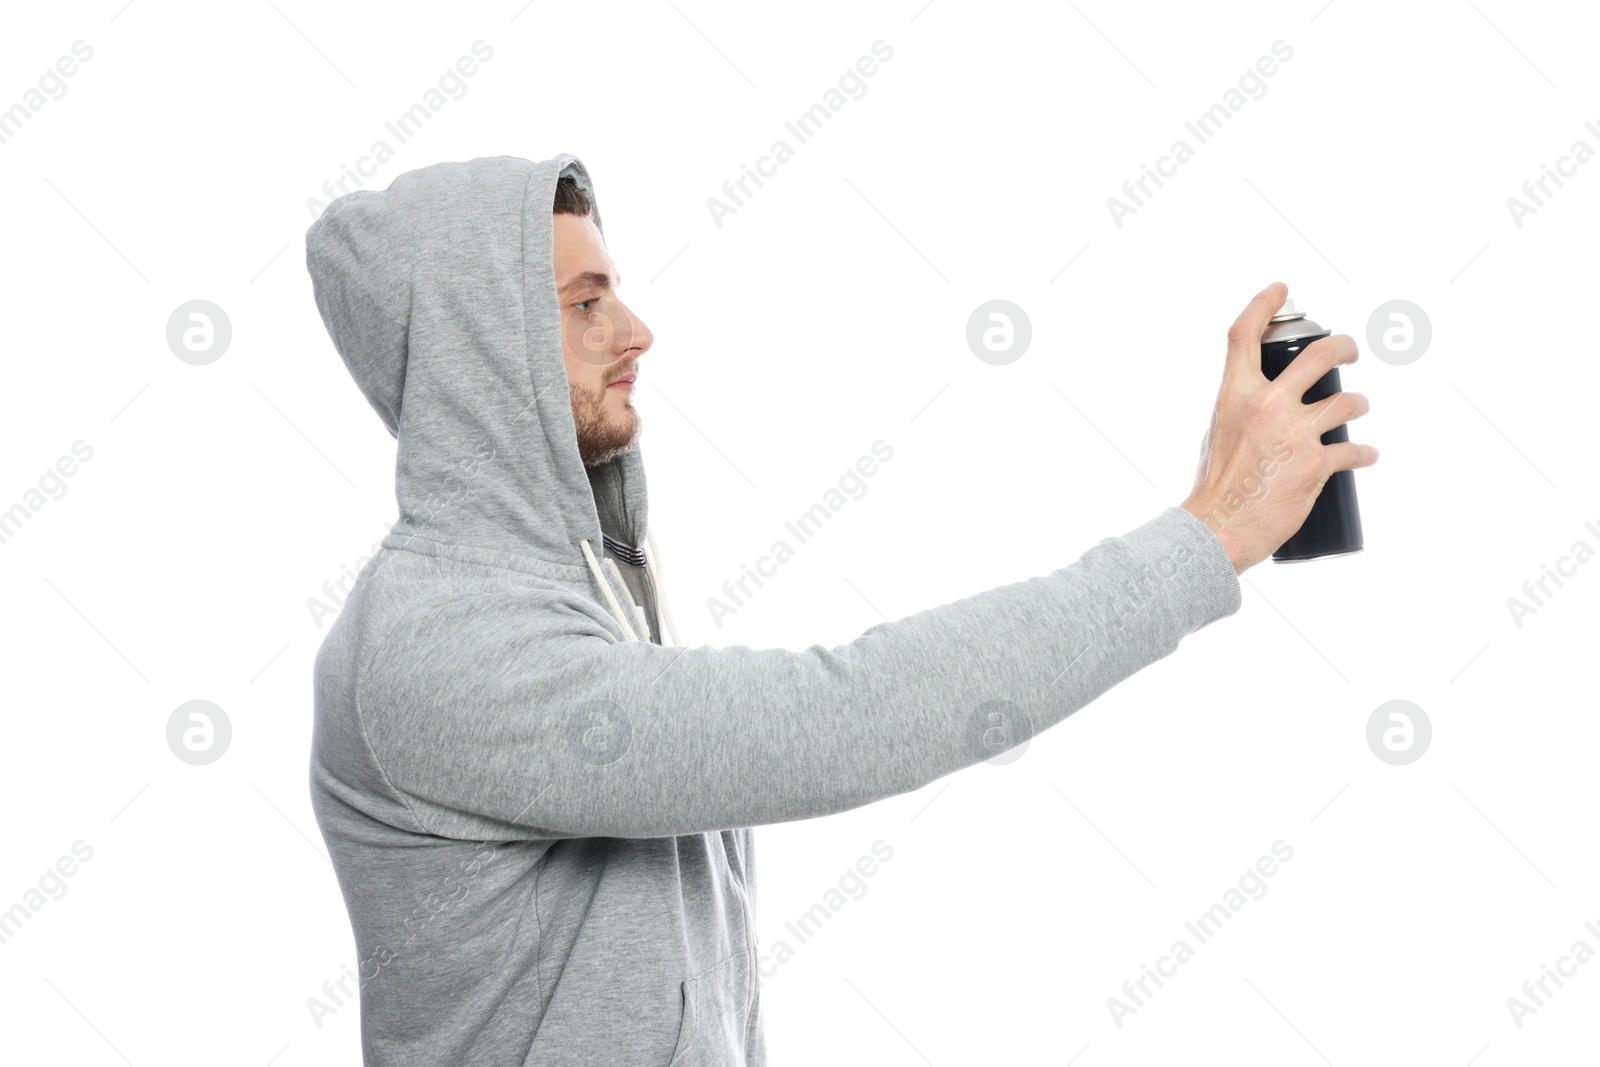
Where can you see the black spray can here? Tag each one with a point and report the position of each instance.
(1334, 526)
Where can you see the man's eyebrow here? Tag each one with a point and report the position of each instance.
(598, 279)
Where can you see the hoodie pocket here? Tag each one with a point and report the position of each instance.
(712, 1030)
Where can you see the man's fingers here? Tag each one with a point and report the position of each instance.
(1244, 336)
(1337, 410)
(1347, 455)
(1317, 359)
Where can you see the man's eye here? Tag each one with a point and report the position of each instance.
(580, 304)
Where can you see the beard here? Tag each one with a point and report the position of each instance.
(602, 437)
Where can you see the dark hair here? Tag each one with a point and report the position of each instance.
(571, 200)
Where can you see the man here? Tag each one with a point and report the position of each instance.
(539, 809)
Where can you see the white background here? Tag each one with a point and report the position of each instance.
(828, 313)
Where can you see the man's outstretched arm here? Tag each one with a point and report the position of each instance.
(520, 714)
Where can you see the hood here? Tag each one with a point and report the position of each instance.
(439, 294)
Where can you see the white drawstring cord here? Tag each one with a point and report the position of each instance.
(653, 557)
(605, 587)
(639, 612)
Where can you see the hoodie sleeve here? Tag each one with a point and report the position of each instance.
(521, 715)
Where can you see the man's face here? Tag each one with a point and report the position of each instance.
(601, 341)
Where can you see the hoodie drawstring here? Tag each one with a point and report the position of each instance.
(605, 587)
(639, 615)
(652, 555)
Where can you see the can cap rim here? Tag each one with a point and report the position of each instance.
(1287, 313)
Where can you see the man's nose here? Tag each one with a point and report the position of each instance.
(635, 338)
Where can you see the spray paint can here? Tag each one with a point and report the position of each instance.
(1333, 528)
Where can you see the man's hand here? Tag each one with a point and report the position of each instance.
(1263, 462)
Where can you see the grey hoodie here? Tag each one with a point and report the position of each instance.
(539, 816)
